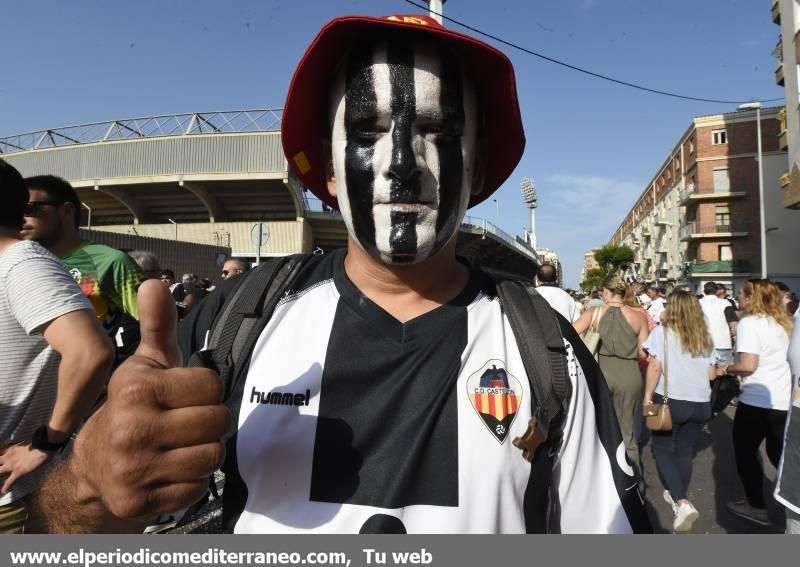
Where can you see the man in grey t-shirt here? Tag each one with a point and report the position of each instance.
(55, 355)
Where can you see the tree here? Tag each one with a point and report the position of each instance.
(593, 279)
(612, 260)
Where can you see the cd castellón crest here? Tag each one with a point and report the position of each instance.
(496, 395)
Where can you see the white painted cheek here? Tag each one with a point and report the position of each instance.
(427, 92)
(383, 228)
(338, 151)
(382, 155)
(426, 233)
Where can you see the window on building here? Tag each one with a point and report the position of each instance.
(725, 252)
(691, 146)
(722, 182)
(723, 216)
(719, 137)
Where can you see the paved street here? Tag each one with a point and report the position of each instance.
(714, 482)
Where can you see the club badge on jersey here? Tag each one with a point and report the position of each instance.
(496, 395)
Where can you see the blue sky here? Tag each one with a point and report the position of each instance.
(592, 145)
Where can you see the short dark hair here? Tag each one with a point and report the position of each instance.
(167, 272)
(243, 265)
(14, 197)
(547, 274)
(57, 189)
(710, 288)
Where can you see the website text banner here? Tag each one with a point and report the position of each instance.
(391, 551)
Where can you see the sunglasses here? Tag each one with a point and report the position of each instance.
(33, 208)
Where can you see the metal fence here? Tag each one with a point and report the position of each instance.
(218, 122)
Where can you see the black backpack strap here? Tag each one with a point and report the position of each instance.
(542, 350)
(245, 315)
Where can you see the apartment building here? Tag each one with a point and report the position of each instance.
(548, 256)
(589, 263)
(786, 13)
(698, 218)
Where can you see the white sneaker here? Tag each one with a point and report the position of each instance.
(668, 499)
(685, 516)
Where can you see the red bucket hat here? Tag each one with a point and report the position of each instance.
(304, 121)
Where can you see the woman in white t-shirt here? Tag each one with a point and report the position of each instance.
(689, 361)
(762, 344)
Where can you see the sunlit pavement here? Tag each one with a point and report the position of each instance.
(714, 483)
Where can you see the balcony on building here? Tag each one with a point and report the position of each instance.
(779, 69)
(718, 267)
(691, 195)
(695, 231)
(797, 44)
(662, 273)
(784, 180)
(776, 12)
(790, 187)
(783, 142)
(661, 222)
(646, 232)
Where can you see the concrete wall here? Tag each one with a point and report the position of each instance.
(783, 252)
(181, 257)
(285, 237)
(223, 153)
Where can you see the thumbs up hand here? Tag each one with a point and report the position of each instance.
(151, 447)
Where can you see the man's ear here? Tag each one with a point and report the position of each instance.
(479, 168)
(69, 213)
(330, 178)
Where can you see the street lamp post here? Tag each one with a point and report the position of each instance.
(762, 216)
(435, 8)
(528, 189)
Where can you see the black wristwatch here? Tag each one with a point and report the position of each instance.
(41, 442)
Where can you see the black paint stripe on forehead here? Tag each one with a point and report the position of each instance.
(403, 236)
(405, 183)
(449, 145)
(360, 111)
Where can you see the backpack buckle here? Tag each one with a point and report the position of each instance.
(530, 440)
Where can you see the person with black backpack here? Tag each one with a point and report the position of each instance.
(388, 387)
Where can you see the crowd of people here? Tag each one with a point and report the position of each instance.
(680, 344)
(57, 346)
(388, 387)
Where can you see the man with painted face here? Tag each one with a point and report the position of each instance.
(385, 391)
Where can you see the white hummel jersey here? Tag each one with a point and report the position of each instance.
(352, 422)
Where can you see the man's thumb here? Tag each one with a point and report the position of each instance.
(157, 324)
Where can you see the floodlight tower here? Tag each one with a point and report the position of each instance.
(435, 8)
(528, 188)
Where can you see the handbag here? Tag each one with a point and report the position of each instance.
(592, 337)
(658, 417)
(723, 390)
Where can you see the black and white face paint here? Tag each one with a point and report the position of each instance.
(403, 144)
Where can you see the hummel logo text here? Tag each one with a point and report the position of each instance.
(279, 398)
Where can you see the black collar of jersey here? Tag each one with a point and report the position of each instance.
(416, 328)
